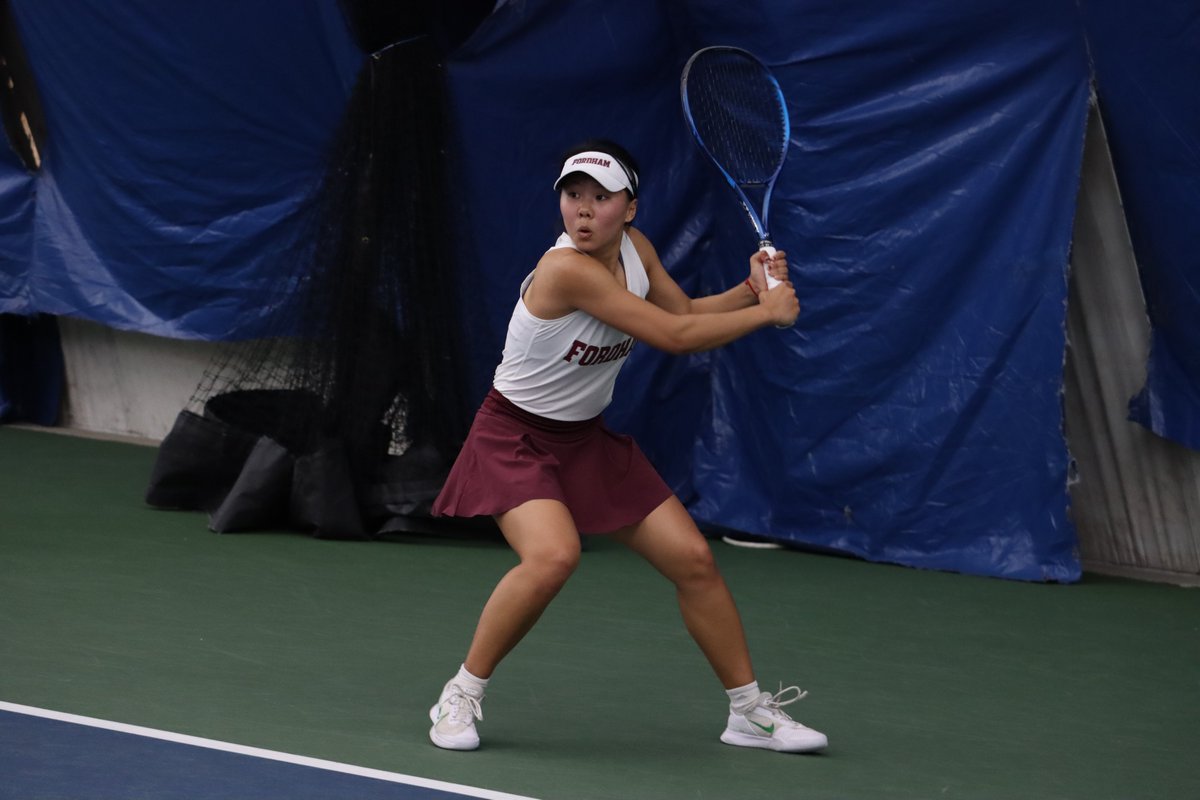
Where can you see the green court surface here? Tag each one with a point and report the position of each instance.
(930, 685)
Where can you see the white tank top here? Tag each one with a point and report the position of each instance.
(565, 368)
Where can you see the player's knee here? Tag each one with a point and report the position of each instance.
(553, 565)
(696, 564)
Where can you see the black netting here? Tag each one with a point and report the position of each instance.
(360, 372)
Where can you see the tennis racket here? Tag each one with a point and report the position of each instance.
(736, 111)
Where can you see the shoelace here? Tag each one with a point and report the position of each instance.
(776, 702)
(461, 702)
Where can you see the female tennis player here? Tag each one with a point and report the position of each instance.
(539, 459)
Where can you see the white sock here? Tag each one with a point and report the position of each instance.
(473, 685)
(743, 698)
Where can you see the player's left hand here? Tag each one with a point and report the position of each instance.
(777, 265)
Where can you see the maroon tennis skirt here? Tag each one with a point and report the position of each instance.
(512, 456)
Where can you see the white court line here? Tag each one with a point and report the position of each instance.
(258, 752)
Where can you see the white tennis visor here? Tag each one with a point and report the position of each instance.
(606, 169)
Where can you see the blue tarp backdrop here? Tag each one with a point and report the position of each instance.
(184, 142)
(913, 414)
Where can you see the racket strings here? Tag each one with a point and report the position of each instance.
(738, 114)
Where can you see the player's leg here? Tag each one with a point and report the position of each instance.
(544, 537)
(670, 541)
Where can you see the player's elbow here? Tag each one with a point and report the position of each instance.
(683, 338)
(669, 341)
(673, 347)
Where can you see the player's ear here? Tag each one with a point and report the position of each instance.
(631, 212)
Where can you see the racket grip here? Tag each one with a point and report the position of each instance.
(767, 248)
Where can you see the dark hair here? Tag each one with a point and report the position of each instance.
(623, 157)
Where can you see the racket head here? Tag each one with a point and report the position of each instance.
(737, 113)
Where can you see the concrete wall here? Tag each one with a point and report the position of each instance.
(127, 384)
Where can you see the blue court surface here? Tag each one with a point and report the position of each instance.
(47, 755)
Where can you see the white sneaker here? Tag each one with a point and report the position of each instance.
(767, 726)
(454, 716)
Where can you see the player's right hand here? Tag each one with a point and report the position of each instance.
(782, 304)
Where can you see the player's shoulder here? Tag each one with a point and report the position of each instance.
(644, 247)
(560, 258)
(639, 239)
(565, 267)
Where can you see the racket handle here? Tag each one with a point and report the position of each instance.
(767, 248)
